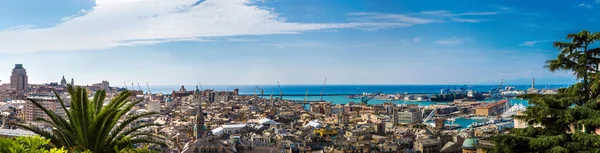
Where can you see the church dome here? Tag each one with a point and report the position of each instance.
(469, 143)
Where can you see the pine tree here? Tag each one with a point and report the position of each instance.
(568, 119)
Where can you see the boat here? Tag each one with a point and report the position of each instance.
(451, 94)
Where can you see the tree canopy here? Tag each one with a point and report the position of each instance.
(567, 120)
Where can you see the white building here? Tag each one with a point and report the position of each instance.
(229, 129)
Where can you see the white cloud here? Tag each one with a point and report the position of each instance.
(465, 20)
(371, 16)
(588, 6)
(448, 14)
(452, 41)
(417, 39)
(531, 25)
(424, 17)
(240, 40)
(115, 23)
(597, 1)
(532, 43)
(404, 42)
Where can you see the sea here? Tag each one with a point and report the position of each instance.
(348, 89)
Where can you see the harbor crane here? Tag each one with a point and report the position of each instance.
(256, 96)
(262, 92)
(149, 93)
(323, 89)
(365, 99)
(199, 84)
(501, 83)
(140, 87)
(280, 93)
(125, 85)
(306, 97)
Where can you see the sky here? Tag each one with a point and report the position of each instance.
(245, 42)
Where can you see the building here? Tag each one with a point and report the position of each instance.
(154, 105)
(407, 117)
(520, 124)
(474, 145)
(18, 79)
(104, 85)
(236, 92)
(47, 101)
(181, 93)
(199, 128)
(429, 145)
(63, 81)
(493, 109)
(439, 123)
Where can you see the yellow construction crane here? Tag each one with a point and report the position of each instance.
(306, 97)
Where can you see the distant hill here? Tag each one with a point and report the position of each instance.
(538, 81)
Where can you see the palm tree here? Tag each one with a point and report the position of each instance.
(91, 126)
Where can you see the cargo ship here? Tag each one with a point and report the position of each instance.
(449, 95)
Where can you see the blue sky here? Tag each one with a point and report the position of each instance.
(169, 42)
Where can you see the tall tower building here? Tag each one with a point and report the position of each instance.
(18, 79)
(200, 127)
(72, 82)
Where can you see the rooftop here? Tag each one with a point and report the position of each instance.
(494, 104)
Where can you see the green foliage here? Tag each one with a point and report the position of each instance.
(93, 127)
(34, 144)
(569, 118)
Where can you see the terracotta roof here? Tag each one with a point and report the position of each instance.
(494, 104)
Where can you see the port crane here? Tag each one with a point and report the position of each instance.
(262, 92)
(306, 97)
(365, 99)
(199, 84)
(140, 87)
(125, 85)
(280, 93)
(501, 83)
(323, 89)
(149, 93)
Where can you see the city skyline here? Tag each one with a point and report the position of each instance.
(235, 42)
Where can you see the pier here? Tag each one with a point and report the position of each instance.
(307, 102)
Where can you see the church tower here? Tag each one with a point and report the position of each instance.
(63, 82)
(200, 127)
